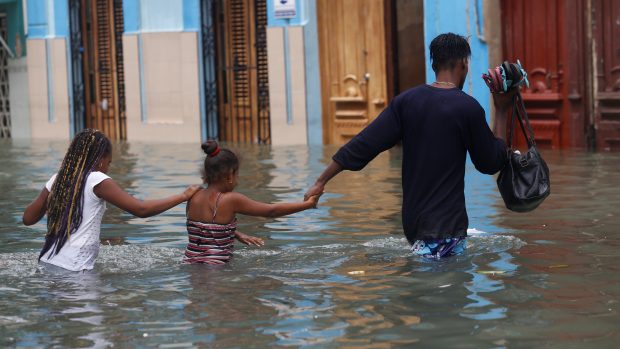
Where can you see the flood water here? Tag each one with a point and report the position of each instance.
(340, 276)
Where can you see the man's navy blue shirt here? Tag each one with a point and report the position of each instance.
(437, 128)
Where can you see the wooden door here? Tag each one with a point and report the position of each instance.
(242, 72)
(606, 80)
(534, 33)
(103, 73)
(353, 65)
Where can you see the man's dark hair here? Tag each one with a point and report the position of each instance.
(447, 50)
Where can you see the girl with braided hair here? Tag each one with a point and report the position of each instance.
(75, 200)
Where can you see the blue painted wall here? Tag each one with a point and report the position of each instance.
(464, 17)
(313, 76)
(48, 19)
(161, 15)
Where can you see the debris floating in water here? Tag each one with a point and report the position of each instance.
(356, 272)
(491, 272)
(559, 266)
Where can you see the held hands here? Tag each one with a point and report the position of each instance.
(248, 239)
(316, 189)
(190, 191)
(314, 199)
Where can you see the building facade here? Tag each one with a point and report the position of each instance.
(293, 71)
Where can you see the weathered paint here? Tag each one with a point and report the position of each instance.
(15, 26)
(463, 17)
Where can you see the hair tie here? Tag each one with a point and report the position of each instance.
(215, 152)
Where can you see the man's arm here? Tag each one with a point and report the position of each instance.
(319, 186)
(382, 134)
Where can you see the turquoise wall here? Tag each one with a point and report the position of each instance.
(464, 17)
(15, 23)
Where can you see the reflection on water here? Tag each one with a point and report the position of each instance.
(339, 276)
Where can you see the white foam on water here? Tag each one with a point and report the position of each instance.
(389, 242)
(112, 259)
(10, 320)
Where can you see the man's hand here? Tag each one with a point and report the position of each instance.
(503, 101)
(248, 239)
(315, 190)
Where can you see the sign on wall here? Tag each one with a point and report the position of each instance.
(284, 9)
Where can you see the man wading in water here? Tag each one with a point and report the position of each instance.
(437, 125)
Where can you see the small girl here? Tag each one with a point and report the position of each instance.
(211, 222)
(75, 200)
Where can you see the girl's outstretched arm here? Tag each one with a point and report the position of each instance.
(244, 205)
(36, 209)
(114, 194)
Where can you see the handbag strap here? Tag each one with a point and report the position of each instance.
(519, 113)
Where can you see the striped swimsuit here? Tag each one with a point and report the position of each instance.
(210, 243)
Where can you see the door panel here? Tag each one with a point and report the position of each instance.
(606, 40)
(353, 65)
(533, 32)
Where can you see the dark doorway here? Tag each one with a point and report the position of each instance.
(407, 66)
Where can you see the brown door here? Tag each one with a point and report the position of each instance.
(242, 75)
(533, 32)
(606, 64)
(353, 65)
(104, 88)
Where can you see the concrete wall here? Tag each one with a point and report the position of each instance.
(294, 76)
(19, 98)
(165, 106)
(48, 69)
(163, 70)
(464, 17)
(48, 89)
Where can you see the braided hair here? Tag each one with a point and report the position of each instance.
(447, 49)
(66, 199)
(219, 162)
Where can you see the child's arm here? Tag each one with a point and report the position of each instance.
(36, 209)
(244, 205)
(114, 194)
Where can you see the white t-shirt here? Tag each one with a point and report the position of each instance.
(81, 249)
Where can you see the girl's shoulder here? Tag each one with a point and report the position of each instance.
(96, 177)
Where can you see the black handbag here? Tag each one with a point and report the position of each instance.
(524, 179)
